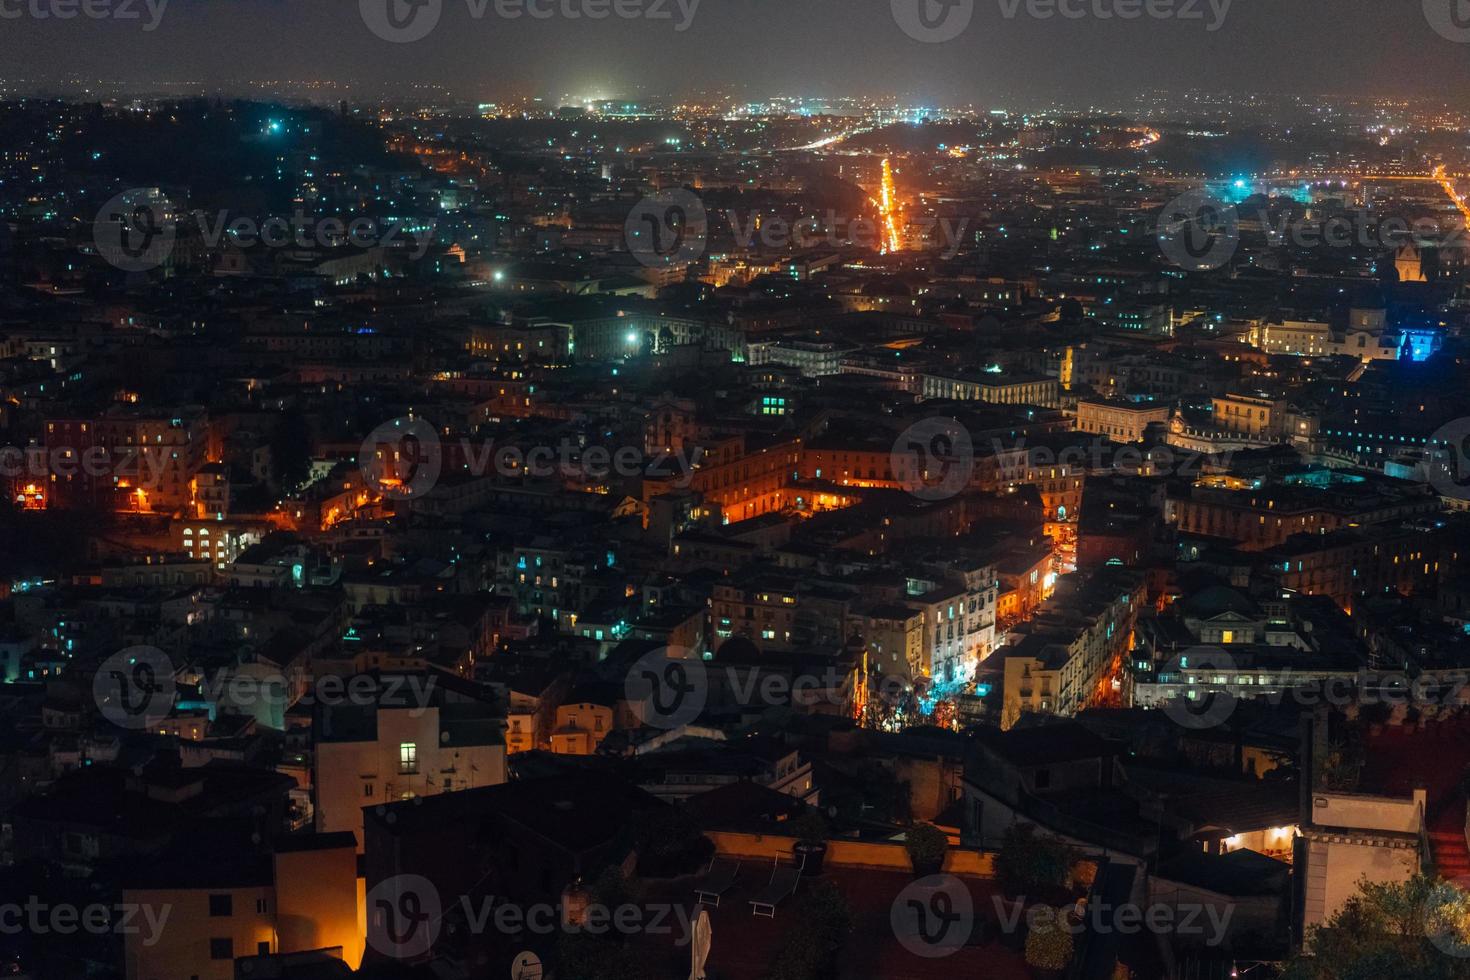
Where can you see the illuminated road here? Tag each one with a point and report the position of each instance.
(827, 141)
(888, 209)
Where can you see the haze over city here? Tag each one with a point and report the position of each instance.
(734, 489)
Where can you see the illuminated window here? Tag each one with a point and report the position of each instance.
(408, 757)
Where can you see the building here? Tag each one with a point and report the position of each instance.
(1072, 654)
(400, 737)
(1118, 419)
(227, 897)
(997, 388)
(580, 728)
(127, 460)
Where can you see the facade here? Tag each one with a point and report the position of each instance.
(127, 461)
(893, 636)
(402, 741)
(997, 389)
(1352, 836)
(580, 728)
(297, 896)
(1069, 656)
(1120, 421)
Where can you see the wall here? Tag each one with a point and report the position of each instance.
(182, 950)
(846, 853)
(353, 775)
(316, 902)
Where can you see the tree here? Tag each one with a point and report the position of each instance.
(1030, 864)
(810, 827)
(1418, 928)
(810, 952)
(670, 843)
(927, 846)
(1049, 944)
(602, 955)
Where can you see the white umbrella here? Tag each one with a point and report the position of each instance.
(699, 944)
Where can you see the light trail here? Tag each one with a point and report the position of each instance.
(888, 210)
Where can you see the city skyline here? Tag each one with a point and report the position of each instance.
(1025, 52)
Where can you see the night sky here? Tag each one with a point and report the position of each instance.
(758, 47)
